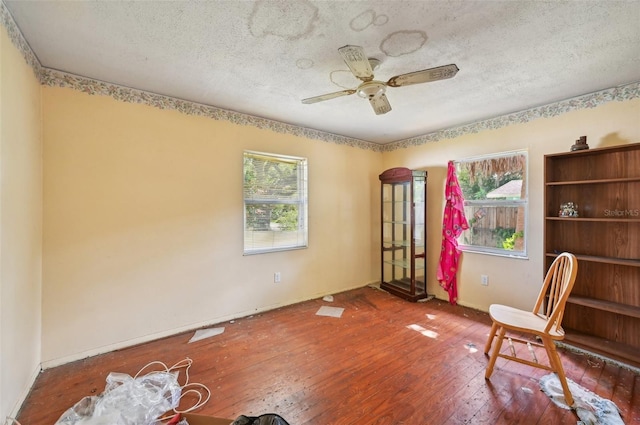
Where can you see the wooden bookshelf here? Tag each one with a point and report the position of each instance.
(603, 312)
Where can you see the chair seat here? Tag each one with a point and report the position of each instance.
(522, 320)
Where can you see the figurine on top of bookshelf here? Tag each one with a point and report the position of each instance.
(568, 209)
(581, 144)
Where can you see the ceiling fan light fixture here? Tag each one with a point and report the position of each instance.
(371, 89)
(375, 63)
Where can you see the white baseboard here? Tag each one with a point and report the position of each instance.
(25, 392)
(175, 331)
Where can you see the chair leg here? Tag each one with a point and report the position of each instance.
(492, 334)
(556, 364)
(494, 354)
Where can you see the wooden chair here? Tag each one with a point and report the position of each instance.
(544, 321)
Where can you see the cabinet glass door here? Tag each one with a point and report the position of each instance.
(396, 232)
(403, 232)
(419, 231)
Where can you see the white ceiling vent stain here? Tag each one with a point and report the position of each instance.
(343, 79)
(275, 18)
(304, 63)
(403, 42)
(366, 19)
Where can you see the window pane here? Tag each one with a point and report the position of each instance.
(494, 227)
(275, 215)
(495, 192)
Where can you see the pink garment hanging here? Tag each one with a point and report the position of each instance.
(453, 223)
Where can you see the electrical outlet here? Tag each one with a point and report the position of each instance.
(276, 277)
(484, 280)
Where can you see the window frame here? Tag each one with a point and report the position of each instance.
(487, 202)
(301, 200)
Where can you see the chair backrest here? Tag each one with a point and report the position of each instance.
(555, 290)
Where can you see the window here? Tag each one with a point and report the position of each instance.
(275, 202)
(495, 193)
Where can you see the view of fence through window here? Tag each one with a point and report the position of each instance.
(275, 202)
(495, 193)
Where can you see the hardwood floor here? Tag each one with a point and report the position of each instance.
(385, 361)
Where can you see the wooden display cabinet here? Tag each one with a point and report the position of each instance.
(404, 199)
(603, 312)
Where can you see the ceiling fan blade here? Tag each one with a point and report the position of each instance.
(357, 62)
(380, 104)
(327, 96)
(424, 76)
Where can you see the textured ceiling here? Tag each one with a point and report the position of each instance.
(263, 57)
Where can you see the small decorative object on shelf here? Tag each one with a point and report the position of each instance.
(568, 209)
(581, 144)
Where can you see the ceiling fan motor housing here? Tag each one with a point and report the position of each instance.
(371, 89)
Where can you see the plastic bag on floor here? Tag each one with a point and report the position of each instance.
(127, 401)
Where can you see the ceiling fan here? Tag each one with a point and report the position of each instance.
(374, 90)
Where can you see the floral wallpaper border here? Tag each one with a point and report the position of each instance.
(592, 100)
(54, 78)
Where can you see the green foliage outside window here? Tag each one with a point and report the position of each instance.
(481, 185)
(275, 202)
(494, 189)
(271, 180)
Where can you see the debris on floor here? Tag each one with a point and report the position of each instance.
(142, 399)
(590, 407)
(206, 333)
(428, 298)
(330, 311)
(471, 347)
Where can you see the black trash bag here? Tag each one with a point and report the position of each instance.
(266, 419)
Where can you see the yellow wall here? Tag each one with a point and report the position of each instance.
(512, 281)
(143, 218)
(143, 222)
(20, 226)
